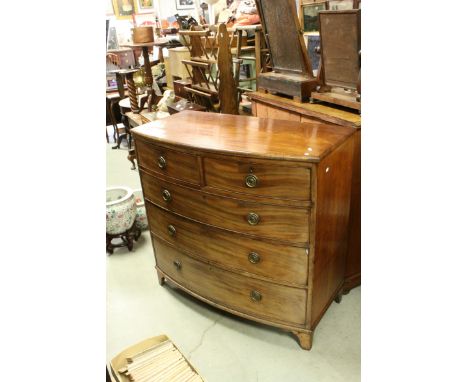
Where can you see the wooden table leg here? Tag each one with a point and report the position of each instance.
(131, 157)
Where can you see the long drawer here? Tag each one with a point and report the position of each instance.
(168, 162)
(269, 221)
(256, 298)
(269, 180)
(277, 262)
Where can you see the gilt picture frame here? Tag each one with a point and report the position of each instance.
(124, 9)
(146, 4)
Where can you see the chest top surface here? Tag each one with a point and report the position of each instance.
(246, 136)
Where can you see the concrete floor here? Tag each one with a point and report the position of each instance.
(222, 347)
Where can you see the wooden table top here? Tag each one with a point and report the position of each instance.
(246, 136)
(327, 113)
(125, 102)
(161, 42)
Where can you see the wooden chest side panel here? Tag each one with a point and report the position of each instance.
(276, 222)
(279, 263)
(332, 215)
(271, 180)
(278, 303)
(353, 262)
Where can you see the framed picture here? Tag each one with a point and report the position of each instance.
(185, 4)
(145, 4)
(340, 5)
(124, 9)
(310, 16)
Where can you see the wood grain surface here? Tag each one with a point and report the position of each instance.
(277, 262)
(353, 260)
(267, 105)
(246, 136)
(323, 113)
(177, 165)
(198, 212)
(331, 233)
(271, 180)
(277, 303)
(276, 222)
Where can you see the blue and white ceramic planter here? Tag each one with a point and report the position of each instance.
(120, 209)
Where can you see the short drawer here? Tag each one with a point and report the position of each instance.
(168, 162)
(258, 179)
(246, 295)
(280, 263)
(269, 221)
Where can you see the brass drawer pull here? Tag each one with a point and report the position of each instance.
(253, 218)
(251, 181)
(166, 195)
(162, 162)
(171, 229)
(254, 257)
(177, 264)
(255, 295)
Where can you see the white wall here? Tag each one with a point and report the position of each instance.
(168, 8)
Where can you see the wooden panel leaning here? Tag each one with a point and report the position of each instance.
(268, 255)
(292, 72)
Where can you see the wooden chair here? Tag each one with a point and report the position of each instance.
(211, 69)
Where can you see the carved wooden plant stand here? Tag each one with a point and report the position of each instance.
(126, 239)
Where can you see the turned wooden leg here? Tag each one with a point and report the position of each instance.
(160, 277)
(109, 247)
(130, 242)
(131, 157)
(304, 339)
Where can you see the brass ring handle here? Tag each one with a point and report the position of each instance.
(166, 195)
(177, 264)
(162, 162)
(253, 218)
(255, 296)
(251, 181)
(171, 229)
(254, 257)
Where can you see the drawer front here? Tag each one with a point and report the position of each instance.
(257, 298)
(167, 162)
(258, 179)
(280, 263)
(275, 222)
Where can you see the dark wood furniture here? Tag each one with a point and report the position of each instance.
(151, 94)
(134, 120)
(339, 74)
(292, 72)
(183, 105)
(211, 69)
(248, 214)
(271, 106)
(125, 239)
(179, 87)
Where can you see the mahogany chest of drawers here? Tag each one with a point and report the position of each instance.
(266, 105)
(249, 214)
